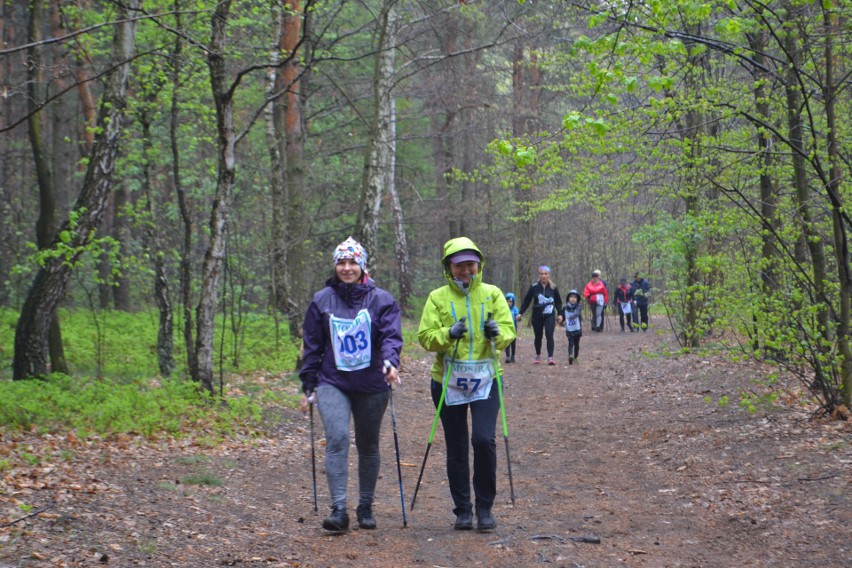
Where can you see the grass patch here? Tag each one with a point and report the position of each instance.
(206, 479)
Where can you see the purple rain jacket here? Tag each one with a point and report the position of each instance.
(345, 301)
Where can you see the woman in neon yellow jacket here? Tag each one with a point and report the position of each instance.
(456, 326)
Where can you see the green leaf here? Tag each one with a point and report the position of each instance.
(525, 156)
(597, 20)
(571, 120)
(598, 126)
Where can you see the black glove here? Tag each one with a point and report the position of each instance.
(492, 330)
(458, 329)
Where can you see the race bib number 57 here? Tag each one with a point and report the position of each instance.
(352, 341)
(469, 381)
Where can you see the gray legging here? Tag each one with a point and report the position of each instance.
(367, 411)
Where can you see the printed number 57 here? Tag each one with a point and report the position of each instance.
(463, 383)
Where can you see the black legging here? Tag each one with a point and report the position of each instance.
(573, 346)
(545, 325)
(640, 314)
(510, 351)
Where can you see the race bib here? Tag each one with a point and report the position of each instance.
(626, 308)
(352, 341)
(600, 299)
(546, 304)
(469, 381)
(572, 323)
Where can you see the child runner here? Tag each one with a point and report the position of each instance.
(510, 350)
(573, 315)
(624, 300)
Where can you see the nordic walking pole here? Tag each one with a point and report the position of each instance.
(313, 451)
(398, 463)
(435, 421)
(503, 416)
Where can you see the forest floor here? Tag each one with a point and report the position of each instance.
(623, 459)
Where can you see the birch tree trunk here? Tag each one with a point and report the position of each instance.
(403, 261)
(214, 257)
(52, 278)
(380, 149)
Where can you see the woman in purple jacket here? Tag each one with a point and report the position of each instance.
(352, 340)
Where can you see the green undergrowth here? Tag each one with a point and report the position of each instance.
(129, 397)
(154, 408)
(123, 345)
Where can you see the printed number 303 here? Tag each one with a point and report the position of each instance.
(350, 344)
(464, 383)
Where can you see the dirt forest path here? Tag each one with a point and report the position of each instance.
(618, 460)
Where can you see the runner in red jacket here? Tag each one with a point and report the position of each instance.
(596, 294)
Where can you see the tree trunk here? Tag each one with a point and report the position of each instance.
(285, 136)
(166, 327)
(768, 194)
(692, 200)
(442, 115)
(107, 227)
(211, 270)
(294, 137)
(403, 262)
(46, 224)
(121, 231)
(524, 228)
(811, 239)
(839, 227)
(442, 155)
(183, 203)
(51, 280)
(379, 159)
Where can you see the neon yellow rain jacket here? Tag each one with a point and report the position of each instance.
(448, 304)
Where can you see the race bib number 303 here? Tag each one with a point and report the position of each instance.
(469, 381)
(352, 341)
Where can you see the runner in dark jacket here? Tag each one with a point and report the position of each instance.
(641, 295)
(546, 310)
(352, 340)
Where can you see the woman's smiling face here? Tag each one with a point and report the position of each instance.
(463, 271)
(347, 271)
